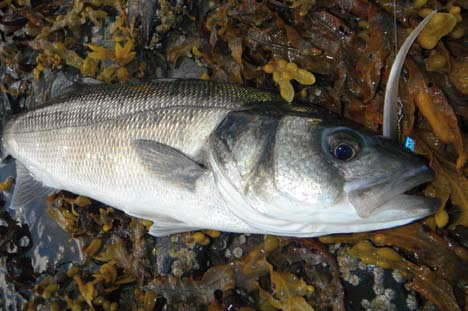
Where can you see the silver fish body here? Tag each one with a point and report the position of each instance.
(190, 154)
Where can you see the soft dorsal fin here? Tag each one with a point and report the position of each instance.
(168, 163)
(27, 188)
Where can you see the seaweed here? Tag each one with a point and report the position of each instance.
(335, 54)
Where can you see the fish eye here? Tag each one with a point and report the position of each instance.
(344, 152)
(344, 144)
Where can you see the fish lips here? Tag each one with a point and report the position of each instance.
(385, 198)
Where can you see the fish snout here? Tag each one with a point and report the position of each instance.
(393, 151)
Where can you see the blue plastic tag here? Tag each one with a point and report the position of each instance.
(409, 143)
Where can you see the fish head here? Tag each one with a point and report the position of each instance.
(309, 175)
(376, 173)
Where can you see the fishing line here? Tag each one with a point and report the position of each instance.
(390, 117)
(395, 45)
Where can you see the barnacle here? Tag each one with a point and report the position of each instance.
(440, 25)
(421, 278)
(283, 72)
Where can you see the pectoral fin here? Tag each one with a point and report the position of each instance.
(168, 163)
(27, 189)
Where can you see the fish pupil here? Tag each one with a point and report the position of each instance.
(343, 152)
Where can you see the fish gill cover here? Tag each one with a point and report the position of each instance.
(336, 54)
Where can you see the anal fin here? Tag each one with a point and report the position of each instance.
(166, 226)
(27, 188)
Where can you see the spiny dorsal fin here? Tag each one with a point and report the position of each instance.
(27, 189)
(168, 163)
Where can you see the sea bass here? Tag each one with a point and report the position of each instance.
(192, 154)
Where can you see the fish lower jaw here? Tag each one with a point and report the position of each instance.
(388, 194)
(404, 206)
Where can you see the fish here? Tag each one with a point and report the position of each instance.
(194, 154)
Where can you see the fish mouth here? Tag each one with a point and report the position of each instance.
(385, 198)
